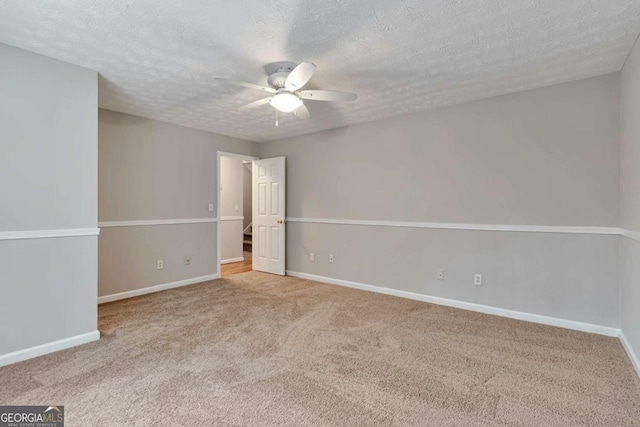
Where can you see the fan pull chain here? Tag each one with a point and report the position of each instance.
(276, 118)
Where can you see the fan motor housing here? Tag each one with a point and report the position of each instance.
(277, 79)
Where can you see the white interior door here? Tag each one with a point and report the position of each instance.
(269, 215)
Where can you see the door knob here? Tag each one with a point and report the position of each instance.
(281, 221)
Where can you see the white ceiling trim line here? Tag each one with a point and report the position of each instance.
(47, 234)
(455, 226)
(156, 222)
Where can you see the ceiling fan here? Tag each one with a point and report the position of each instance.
(285, 84)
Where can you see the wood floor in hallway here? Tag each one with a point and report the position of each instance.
(236, 267)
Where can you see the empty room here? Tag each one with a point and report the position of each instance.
(320, 212)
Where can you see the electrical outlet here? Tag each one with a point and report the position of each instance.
(187, 261)
(440, 274)
(312, 257)
(331, 259)
(210, 207)
(477, 279)
(160, 264)
(237, 207)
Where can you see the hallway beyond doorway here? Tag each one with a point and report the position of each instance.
(237, 267)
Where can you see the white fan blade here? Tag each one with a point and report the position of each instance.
(245, 84)
(299, 76)
(327, 95)
(255, 104)
(302, 112)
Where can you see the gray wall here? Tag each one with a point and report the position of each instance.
(150, 170)
(630, 195)
(48, 135)
(231, 195)
(128, 255)
(547, 156)
(48, 174)
(568, 276)
(542, 157)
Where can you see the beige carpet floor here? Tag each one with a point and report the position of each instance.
(256, 349)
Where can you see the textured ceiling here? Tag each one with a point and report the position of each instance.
(156, 58)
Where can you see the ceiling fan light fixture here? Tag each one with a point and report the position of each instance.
(285, 102)
(285, 84)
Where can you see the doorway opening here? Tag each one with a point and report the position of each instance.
(235, 236)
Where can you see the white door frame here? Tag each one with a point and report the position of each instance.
(219, 216)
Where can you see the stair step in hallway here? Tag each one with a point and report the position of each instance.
(247, 240)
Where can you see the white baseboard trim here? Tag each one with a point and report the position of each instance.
(519, 315)
(156, 288)
(48, 234)
(41, 350)
(230, 260)
(632, 355)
